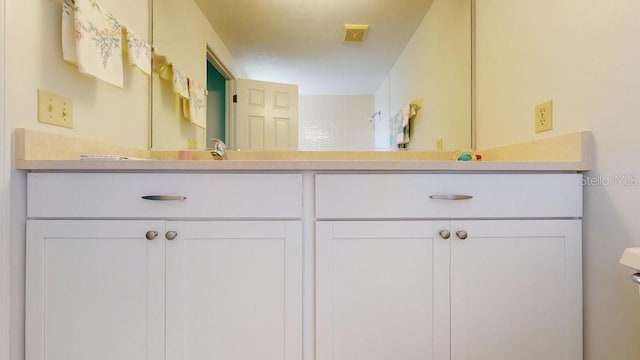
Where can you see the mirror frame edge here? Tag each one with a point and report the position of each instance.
(473, 95)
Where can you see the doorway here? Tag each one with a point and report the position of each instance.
(220, 109)
(216, 104)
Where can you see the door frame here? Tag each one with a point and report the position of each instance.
(5, 169)
(229, 84)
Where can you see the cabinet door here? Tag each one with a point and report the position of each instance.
(234, 290)
(516, 290)
(382, 290)
(95, 290)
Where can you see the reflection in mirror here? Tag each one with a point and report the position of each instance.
(350, 96)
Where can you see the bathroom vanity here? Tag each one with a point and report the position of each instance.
(304, 264)
(209, 266)
(330, 257)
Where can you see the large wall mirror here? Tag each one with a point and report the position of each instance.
(344, 95)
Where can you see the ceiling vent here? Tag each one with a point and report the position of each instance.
(355, 32)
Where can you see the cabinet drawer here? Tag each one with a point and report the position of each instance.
(100, 195)
(404, 196)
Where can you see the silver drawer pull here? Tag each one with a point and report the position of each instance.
(164, 198)
(451, 197)
(636, 278)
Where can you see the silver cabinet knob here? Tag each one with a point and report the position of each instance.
(445, 234)
(151, 234)
(461, 234)
(636, 278)
(170, 235)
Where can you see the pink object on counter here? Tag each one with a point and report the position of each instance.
(185, 155)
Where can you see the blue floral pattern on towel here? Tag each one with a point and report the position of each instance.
(197, 104)
(139, 52)
(180, 83)
(106, 38)
(98, 37)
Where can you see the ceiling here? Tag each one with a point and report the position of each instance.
(300, 41)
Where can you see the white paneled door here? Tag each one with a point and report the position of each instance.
(266, 115)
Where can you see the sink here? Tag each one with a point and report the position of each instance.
(631, 258)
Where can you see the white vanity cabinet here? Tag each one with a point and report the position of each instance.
(190, 266)
(488, 268)
(113, 276)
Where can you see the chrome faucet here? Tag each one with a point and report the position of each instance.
(218, 149)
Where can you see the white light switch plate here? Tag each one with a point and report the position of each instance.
(55, 109)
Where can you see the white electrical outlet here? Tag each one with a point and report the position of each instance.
(55, 109)
(543, 118)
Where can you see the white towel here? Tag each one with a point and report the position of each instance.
(401, 130)
(406, 113)
(98, 42)
(138, 52)
(186, 111)
(197, 104)
(160, 64)
(180, 83)
(413, 110)
(400, 124)
(68, 32)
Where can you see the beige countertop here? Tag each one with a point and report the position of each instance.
(298, 165)
(566, 153)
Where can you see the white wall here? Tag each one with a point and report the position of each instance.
(335, 122)
(435, 65)
(382, 101)
(584, 55)
(34, 60)
(5, 243)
